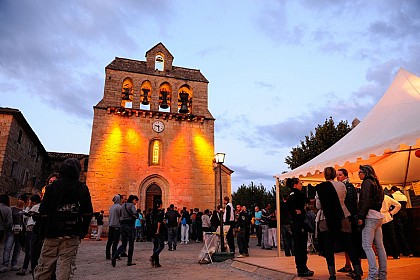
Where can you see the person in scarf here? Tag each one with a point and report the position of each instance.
(334, 223)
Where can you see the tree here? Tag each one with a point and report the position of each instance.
(253, 195)
(325, 136)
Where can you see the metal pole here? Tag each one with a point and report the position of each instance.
(278, 205)
(405, 179)
(222, 237)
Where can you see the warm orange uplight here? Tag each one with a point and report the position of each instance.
(113, 143)
(203, 150)
(132, 138)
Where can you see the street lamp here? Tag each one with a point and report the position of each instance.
(220, 158)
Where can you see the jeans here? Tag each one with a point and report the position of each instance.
(185, 232)
(158, 244)
(127, 236)
(272, 237)
(113, 239)
(258, 232)
(12, 242)
(372, 233)
(172, 237)
(138, 233)
(265, 237)
(287, 239)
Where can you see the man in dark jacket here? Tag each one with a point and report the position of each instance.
(296, 206)
(241, 227)
(66, 210)
(173, 218)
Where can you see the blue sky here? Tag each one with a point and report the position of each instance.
(276, 69)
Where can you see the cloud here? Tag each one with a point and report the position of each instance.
(265, 85)
(53, 49)
(331, 47)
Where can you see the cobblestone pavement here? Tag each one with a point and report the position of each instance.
(179, 264)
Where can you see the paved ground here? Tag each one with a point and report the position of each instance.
(183, 264)
(179, 264)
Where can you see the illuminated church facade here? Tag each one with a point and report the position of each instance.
(153, 136)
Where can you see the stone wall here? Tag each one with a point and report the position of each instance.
(21, 158)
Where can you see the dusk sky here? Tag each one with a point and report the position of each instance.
(276, 69)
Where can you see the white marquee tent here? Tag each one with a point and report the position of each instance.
(387, 139)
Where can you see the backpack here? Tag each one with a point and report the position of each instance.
(67, 217)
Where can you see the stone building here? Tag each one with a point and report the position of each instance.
(22, 156)
(55, 159)
(153, 136)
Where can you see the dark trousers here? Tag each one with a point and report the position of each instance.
(231, 239)
(36, 246)
(113, 239)
(247, 234)
(158, 244)
(193, 231)
(400, 226)
(300, 238)
(172, 237)
(127, 236)
(390, 243)
(349, 247)
(258, 232)
(199, 230)
(27, 258)
(241, 240)
(329, 240)
(287, 238)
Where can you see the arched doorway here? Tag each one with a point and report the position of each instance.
(153, 193)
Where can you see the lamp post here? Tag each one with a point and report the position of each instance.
(220, 158)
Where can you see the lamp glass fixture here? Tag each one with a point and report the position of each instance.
(219, 157)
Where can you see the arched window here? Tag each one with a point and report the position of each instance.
(159, 62)
(165, 91)
(145, 95)
(185, 99)
(127, 93)
(155, 152)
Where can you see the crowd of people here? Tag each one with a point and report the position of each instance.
(170, 226)
(47, 227)
(361, 221)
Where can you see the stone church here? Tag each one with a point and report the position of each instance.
(153, 136)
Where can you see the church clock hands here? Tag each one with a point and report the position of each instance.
(158, 126)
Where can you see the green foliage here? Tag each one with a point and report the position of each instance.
(325, 136)
(253, 195)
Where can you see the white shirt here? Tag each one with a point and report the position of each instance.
(388, 201)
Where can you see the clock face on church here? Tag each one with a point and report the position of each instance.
(158, 126)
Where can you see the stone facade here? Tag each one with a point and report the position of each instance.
(153, 136)
(22, 156)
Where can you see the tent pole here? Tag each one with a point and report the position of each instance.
(278, 217)
(405, 178)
